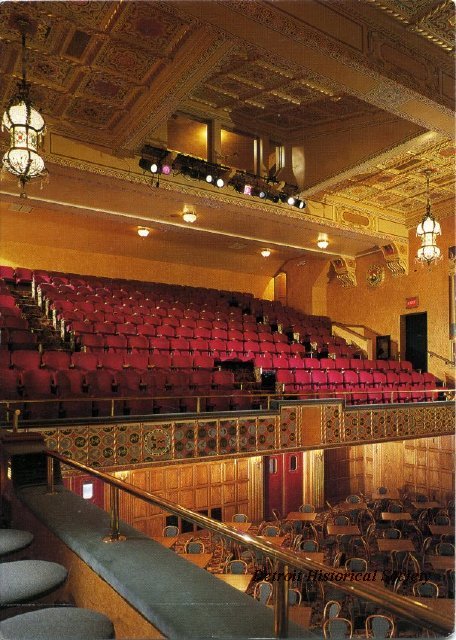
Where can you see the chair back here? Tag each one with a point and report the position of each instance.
(426, 589)
(270, 530)
(337, 628)
(294, 597)
(392, 534)
(308, 545)
(194, 546)
(395, 507)
(445, 549)
(356, 564)
(331, 610)
(263, 592)
(170, 531)
(379, 626)
(240, 517)
(353, 499)
(236, 566)
(441, 519)
(382, 490)
(307, 508)
(341, 520)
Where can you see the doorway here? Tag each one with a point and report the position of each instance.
(283, 477)
(414, 332)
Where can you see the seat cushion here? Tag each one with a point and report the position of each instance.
(58, 623)
(14, 540)
(25, 580)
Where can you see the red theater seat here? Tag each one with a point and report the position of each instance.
(25, 359)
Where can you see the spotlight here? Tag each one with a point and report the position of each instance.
(262, 193)
(143, 232)
(300, 204)
(265, 253)
(166, 169)
(210, 178)
(274, 197)
(283, 197)
(247, 190)
(291, 201)
(154, 167)
(220, 182)
(145, 164)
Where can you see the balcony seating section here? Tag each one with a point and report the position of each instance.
(138, 339)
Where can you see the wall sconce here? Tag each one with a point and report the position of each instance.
(189, 214)
(322, 241)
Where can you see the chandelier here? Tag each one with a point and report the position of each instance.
(26, 128)
(427, 231)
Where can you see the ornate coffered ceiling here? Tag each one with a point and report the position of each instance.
(356, 84)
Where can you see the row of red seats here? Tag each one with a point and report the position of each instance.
(16, 275)
(296, 361)
(83, 394)
(55, 360)
(360, 388)
(199, 358)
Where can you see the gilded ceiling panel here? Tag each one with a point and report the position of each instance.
(91, 113)
(50, 101)
(90, 14)
(148, 26)
(43, 33)
(52, 71)
(125, 61)
(99, 86)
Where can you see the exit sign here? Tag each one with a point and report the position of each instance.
(412, 303)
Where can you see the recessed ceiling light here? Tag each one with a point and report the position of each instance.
(265, 253)
(143, 232)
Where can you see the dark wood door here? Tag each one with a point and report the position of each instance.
(416, 340)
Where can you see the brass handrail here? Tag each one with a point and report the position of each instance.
(404, 607)
(263, 396)
(448, 362)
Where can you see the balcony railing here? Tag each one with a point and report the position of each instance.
(404, 607)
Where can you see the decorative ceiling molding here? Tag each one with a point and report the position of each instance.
(172, 85)
(415, 142)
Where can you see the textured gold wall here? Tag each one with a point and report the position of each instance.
(64, 242)
(379, 308)
(425, 465)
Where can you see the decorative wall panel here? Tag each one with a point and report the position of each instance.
(128, 444)
(204, 486)
(353, 425)
(139, 443)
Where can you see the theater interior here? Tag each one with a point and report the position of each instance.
(227, 319)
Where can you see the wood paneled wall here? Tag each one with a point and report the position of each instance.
(424, 465)
(226, 485)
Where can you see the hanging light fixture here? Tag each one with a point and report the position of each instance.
(427, 231)
(26, 128)
(265, 253)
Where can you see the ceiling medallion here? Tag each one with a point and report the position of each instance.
(375, 275)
